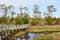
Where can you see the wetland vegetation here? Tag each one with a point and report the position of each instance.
(41, 28)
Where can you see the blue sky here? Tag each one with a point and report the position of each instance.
(29, 3)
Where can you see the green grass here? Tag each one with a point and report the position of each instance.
(48, 37)
(43, 30)
(56, 35)
(45, 37)
(19, 34)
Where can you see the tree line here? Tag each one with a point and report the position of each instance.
(24, 18)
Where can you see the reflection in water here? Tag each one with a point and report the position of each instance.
(29, 36)
(32, 36)
(0, 37)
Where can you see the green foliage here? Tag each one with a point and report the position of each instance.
(57, 21)
(25, 19)
(48, 20)
(18, 20)
(3, 20)
(32, 22)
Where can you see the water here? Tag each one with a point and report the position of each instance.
(30, 36)
(0, 37)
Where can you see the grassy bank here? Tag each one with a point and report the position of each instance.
(40, 29)
(19, 34)
(48, 37)
(45, 28)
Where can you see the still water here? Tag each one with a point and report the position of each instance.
(30, 36)
(0, 37)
